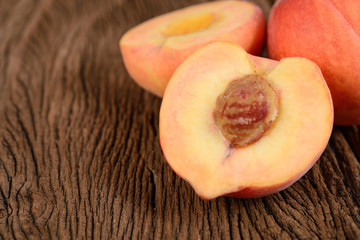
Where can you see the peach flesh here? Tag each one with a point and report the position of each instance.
(189, 25)
(246, 110)
(153, 50)
(195, 147)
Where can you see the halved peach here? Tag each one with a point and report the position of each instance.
(237, 125)
(154, 49)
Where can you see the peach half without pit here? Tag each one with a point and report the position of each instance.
(154, 49)
(243, 126)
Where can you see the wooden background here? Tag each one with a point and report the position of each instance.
(79, 143)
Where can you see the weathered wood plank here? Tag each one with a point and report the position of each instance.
(79, 143)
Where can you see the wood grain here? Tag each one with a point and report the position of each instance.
(79, 143)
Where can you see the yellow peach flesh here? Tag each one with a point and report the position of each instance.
(196, 149)
(189, 25)
(186, 25)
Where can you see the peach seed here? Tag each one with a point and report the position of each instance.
(246, 110)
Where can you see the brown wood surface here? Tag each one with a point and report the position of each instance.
(79, 143)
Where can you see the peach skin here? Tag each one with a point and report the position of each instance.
(328, 33)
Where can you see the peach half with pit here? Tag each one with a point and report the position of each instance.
(243, 126)
(153, 50)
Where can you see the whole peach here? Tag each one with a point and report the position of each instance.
(326, 32)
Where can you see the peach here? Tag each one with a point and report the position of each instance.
(326, 32)
(154, 49)
(243, 126)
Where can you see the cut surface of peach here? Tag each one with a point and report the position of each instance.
(154, 49)
(233, 124)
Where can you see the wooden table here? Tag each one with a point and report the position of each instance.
(79, 143)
